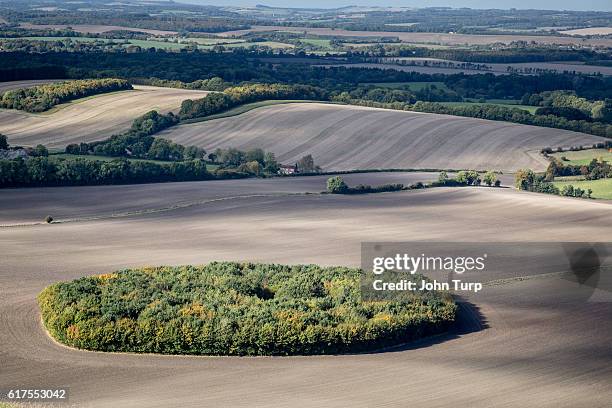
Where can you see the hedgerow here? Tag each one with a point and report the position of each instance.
(43, 97)
(228, 308)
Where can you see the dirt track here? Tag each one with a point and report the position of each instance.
(350, 137)
(91, 118)
(537, 344)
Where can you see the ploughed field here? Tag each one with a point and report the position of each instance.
(352, 137)
(89, 119)
(526, 342)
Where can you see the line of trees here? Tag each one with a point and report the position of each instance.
(46, 171)
(238, 95)
(337, 185)
(508, 114)
(43, 97)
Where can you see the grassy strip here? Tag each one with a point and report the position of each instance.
(229, 308)
(583, 157)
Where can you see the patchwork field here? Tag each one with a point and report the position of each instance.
(496, 69)
(527, 67)
(431, 38)
(91, 118)
(520, 343)
(349, 137)
(94, 28)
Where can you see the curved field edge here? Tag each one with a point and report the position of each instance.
(247, 107)
(90, 119)
(229, 308)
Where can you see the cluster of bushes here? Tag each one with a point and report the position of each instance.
(569, 105)
(43, 97)
(138, 142)
(254, 162)
(527, 180)
(211, 84)
(596, 169)
(227, 308)
(337, 185)
(238, 95)
(44, 171)
(467, 178)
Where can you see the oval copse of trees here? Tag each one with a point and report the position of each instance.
(228, 308)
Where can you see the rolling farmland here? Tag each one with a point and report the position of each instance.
(519, 344)
(350, 137)
(429, 38)
(91, 118)
(497, 69)
(94, 28)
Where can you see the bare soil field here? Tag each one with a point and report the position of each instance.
(93, 28)
(7, 86)
(589, 31)
(497, 69)
(69, 204)
(343, 137)
(531, 342)
(90, 119)
(430, 38)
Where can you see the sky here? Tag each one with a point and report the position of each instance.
(593, 5)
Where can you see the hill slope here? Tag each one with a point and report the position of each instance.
(351, 137)
(90, 119)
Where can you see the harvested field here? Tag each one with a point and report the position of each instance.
(90, 119)
(534, 342)
(589, 31)
(429, 38)
(350, 137)
(93, 28)
(7, 86)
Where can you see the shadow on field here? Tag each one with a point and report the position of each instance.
(469, 320)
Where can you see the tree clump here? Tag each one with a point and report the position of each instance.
(228, 308)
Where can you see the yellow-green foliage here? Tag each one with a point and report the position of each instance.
(227, 308)
(42, 97)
